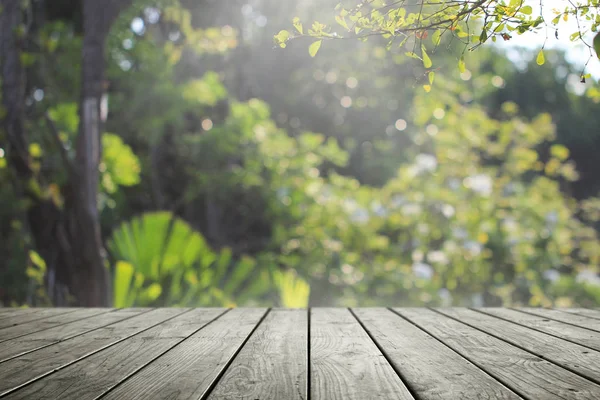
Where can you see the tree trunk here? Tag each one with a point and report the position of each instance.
(42, 217)
(69, 240)
(13, 86)
(94, 282)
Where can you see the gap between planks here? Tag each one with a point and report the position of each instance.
(95, 375)
(579, 320)
(192, 369)
(528, 375)
(44, 324)
(586, 364)
(87, 353)
(32, 315)
(217, 379)
(571, 333)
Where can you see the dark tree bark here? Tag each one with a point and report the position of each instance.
(93, 278)
(69, 239)
(13, 86)
(42, 218)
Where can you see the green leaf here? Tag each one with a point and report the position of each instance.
(119, 161)
(35, 150)
(156, 243)
(559, 151)
(207, 90)
(412, 55)
(426, 60)
(122, 283)
(37, 269)
(527, 10)
(461, 65)
(597, 44)
(483, 37)
(151, 293)
(540, 60)
(293, 290)
(27, 59)
(65, 116)
(297, 25)
(431, 75)
(436, 38)
(574, 36)
(314, 48)
(342, 21)
(37, 260)
(282, 37)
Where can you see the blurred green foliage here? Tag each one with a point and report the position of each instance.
(234, 175)
(162, 261)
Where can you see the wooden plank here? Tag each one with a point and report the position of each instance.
(24, 317)
(274, 362)
(585, 312)
(576, 334)
(11, 311)
(345, 363)
(93, 376)
(524, 373)
(6, 312)
(191, 368)
(566, 317)
(568, 355)
(590, 312)
(430, 369)
(18, 346)
(32, 366)
(47, 323)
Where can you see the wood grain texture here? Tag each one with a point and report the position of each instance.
(345, 363)
(429, 368)
(32, 315)
(47, 323)
(214, 354)
(94, 375)
(7, 312)
(566, 354)
(586, 312)
(24, 344)
(33, 365)
(274, 362)
(526, 374)
(568, 332)
(188, 370)
(575, 318)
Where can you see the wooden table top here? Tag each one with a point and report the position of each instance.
(280, 354)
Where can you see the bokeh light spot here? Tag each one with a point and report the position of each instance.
(352, 82)
(346, 101)
(207, 124)
(400, 124)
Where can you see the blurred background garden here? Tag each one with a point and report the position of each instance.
(234, 172)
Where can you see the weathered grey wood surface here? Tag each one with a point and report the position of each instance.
(274, 362)
(345, 363)
(433, 370)
(526, 374)
(280, 354)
